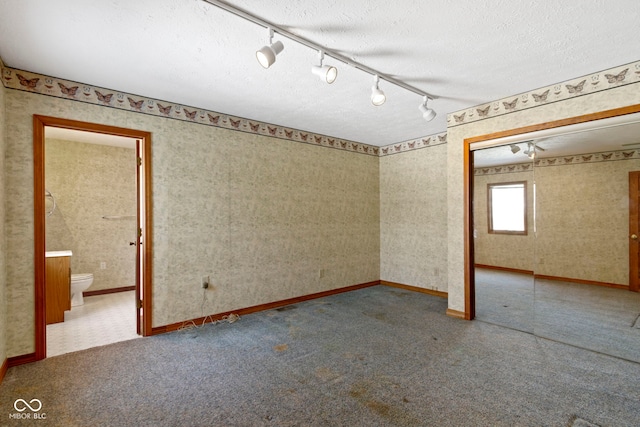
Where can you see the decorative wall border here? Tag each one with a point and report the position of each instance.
(597, 82)
(75, 91)
(414, 144)
(606, 156)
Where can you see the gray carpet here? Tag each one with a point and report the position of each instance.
(505, 298)
(374, 357)
(593, 317)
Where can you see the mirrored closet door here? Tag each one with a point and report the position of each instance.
(571, 275)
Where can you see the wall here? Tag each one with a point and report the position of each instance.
(260, 215)
(3, 248)
(583, 220)
(413, 218)
(90, 181)
(502, 250)
(614, 97)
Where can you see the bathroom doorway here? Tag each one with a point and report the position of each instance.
(95, 209)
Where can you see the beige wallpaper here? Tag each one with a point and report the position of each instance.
(261, 216)
(502, 250)
(413, 218)
(594, 102)
(583, 220)
(3, 249)
(89, 182)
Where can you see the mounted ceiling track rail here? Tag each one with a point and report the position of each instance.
(273, 28)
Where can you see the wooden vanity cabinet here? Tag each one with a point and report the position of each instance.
(57, 288)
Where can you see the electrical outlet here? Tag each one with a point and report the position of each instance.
(321, 273)
(103, 265)
(204, 282)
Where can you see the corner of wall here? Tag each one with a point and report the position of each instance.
(3, 298)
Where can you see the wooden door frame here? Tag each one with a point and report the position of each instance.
(634, 219)
(469, 259)
(39, 124)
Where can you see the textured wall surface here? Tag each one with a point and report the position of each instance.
(583, 221)
(259, 215)
(413, 218)
(502, 250)
(3, 249)
(612, 98)
(90, 181)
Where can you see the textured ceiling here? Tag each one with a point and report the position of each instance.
(466, 52)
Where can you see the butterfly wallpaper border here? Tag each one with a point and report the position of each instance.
(414, 144)
(606, 156)
(60, 88)
(603, 80)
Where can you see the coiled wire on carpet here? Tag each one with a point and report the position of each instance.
(190, 324)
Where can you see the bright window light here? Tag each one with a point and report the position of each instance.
(507, 204)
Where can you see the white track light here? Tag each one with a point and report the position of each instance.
(427, 113)
(326, 73)
(377, 96)
(267, 54)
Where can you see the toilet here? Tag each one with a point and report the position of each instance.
(79, 283)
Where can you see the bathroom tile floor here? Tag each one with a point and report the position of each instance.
(101, 320)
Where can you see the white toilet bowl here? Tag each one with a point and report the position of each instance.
(79, 283)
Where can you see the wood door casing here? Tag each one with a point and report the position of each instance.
(39, 124)
(634, 231)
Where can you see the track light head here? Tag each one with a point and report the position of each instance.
(266, 56)
(377, 96)
(427, 113)
(514, 148)
(530, 151)
(326, 73)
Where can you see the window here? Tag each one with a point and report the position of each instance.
(507, 203)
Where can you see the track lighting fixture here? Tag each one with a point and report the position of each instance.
(377, 96)
(427, 113)
(531, 150)
(326, 73)
(514, 148)
(267, 54)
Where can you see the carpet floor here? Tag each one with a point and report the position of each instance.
(596, 318)
(378, 356)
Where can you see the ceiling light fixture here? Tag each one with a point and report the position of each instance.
(326, 73)
(377, 96)
(267, 54)
(531, 150)
(427, 113)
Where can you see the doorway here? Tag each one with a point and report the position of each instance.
(576, 263)
(140, 223)
(634, 231)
